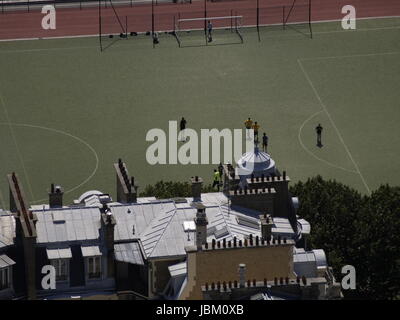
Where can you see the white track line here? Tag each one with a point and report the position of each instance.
(246, 26)
(334, 126)
(311, 153)
(16, 145)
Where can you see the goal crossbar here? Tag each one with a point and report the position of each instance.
(210, 18)
(235, 25)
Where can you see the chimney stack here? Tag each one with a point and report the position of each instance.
(126, 189)
(56, 196)
(197, 184)
(242, 275)
(201, 225)
(266, 226)
(108, 222)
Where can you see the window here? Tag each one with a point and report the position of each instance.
(61, 266)
(94, 267)
(5, 278)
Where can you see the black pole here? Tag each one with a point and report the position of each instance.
(309, 17)
(101, 45)
(258, 20)
(126, 27)
(231, 20)
(80, 4)
(283, 17)
(29, 9)
(205, 20)
(2, 6)
(152, 22)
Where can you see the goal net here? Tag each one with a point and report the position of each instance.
(208, 30)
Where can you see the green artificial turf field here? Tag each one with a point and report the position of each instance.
(67, 111)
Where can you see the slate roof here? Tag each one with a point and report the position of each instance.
(159, 225)
(68, 224)
(139, 216)
(128, 252)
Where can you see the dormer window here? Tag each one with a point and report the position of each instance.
(5, 278)
(93, 261)
(62, 269)
(59, 259)
(5, 272)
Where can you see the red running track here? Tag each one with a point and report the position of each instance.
(76, 22)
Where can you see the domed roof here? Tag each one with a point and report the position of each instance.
(88, 194)
(255, 162)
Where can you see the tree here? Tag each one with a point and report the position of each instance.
(355, 230)
(379, 275)
(171, 189)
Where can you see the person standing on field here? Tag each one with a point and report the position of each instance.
(319, 129)
(182, 127)
(209, 30)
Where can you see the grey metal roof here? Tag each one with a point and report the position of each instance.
(165, 235)
(179, 269)
(7, 230)
(128, 252)
(5, 261)
(305, 262)
(137, 216)
(68, 224)
(90, 251)
(64, 253)
(305, 226)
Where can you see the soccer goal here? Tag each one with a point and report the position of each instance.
(195, 31)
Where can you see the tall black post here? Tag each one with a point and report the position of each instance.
(283, 17)
(101, 45)
(152, 22)
(309, 17)
(126, 27)
(258, 20)
(205, 20)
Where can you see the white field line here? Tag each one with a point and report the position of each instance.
(16, 146)
(334, 126)
(312, 153)
(71, 136)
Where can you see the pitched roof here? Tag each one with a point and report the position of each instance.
(68, 224)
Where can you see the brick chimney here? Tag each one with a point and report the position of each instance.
(126, 188)
(201, 225)
(196, 183)
(26, 234)
(266, 226)
(242, 275)
(108, 222)
(56, 196)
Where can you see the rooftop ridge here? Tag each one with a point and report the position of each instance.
(227, 286)
(251, 242)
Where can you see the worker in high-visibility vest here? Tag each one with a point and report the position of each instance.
(217, 179)
(248, 125)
